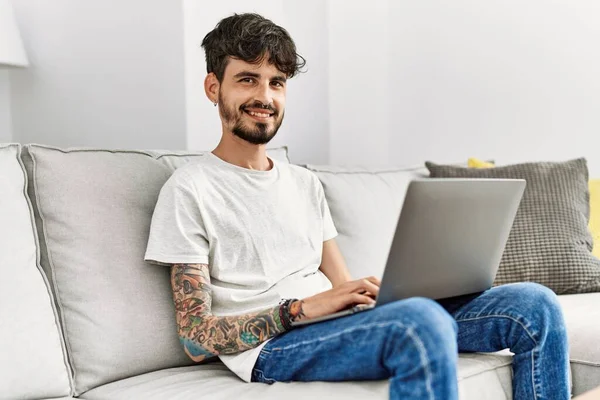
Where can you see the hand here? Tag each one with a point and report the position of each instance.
(361, 291)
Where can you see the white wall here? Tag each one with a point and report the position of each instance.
(305, 127)
(503, 79)
(102, 73)
(5, 120)
(391, 82)
(359, 92)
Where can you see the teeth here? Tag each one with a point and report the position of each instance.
(260, 115)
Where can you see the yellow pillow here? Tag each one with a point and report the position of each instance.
(595, 214)
(594, 186)
(477, 163)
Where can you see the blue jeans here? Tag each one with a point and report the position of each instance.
(415, 343)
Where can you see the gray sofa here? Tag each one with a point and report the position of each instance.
(82, 315)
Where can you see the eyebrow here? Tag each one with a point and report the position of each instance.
(255, 75)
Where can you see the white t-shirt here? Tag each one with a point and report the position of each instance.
(260, 232)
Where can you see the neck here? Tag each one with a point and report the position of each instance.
(238, 152)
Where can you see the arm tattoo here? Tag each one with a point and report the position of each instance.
(297, 311)
(204, 335)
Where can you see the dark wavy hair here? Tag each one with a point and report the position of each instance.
(250, 37)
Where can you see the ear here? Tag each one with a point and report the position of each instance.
(211, 87)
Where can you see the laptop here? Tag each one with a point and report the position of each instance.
(448, 242)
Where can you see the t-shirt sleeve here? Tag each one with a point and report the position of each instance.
(329, 231)
(177, 233)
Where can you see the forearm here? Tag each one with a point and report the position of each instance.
(211, 335)
(205, 335)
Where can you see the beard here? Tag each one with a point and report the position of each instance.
(250, 131)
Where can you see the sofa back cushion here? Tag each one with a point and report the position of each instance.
(365, 205)
(549, 242)
(32, 360)
(93, 211)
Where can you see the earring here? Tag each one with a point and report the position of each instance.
(215, 103)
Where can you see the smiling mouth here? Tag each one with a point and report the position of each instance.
(259, 115)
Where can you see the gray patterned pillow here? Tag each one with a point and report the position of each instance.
(549, 242)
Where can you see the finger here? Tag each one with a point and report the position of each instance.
(356, 298)
(371, 295)
(367, 286)
(374, 280)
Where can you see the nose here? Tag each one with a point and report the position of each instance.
(264, 94)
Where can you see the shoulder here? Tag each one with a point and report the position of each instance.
(304, 177)
(194, 167)
(194, 172)
(189, 178)
(299, 172)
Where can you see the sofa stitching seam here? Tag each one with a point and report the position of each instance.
(90, 149)
(55, 282)
(588, 363)
(494, 368)
(38, 265)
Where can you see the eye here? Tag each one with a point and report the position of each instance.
(247, 80)
(277, 83)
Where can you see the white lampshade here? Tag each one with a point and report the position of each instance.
(12, 52)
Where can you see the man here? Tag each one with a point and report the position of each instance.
(251, 246)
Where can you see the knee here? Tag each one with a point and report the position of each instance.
(535, 296)
(428, 312)
(420, 339)
(428, 321)
(538, 303)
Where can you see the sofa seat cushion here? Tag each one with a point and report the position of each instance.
(582, 316)
(63, 398)
(32, 361)
(481, 377)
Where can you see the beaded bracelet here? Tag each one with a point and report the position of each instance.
(284, 313)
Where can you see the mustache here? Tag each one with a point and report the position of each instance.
(258, 104)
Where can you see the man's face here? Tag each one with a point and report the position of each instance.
(252, 100)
